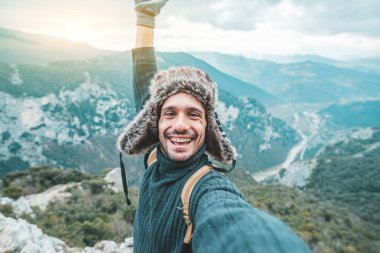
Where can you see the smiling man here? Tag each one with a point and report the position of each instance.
(185, 204)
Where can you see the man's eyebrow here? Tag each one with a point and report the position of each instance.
(195, 109)
(188, 108)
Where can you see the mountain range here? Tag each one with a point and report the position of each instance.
(68, 112)
(27, 48)
(357, 114)
(308, 80)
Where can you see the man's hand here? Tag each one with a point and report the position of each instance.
(147, 10)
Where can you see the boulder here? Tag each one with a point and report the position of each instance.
(55, 193)
(20, 236)
(111, 247)
(113, 178)
(19, 206)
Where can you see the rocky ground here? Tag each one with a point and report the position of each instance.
(17, 235)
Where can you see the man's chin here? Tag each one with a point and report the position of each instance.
(179, 157)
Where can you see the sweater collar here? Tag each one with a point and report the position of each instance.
(173, 167)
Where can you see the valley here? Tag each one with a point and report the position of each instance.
(295, 153)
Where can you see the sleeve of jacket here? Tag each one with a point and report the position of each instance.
(225, 222)
(144, 68)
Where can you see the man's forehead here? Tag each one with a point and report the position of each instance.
(183, 99)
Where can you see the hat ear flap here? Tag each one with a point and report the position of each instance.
(218, 145)
(142, 132)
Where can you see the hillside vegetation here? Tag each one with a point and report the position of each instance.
(325, 227)
(358, 114)
(94, 212)
(38, 179)
(348, 175)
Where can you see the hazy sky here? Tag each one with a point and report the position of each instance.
(332, 28)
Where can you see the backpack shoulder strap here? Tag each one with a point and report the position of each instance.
(152, 157)
(185, 197)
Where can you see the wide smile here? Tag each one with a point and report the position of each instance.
(180, 141)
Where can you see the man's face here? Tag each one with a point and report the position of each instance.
(182, 126)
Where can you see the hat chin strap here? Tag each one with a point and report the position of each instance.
(124, 179)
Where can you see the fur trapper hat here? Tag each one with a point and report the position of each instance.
(142, 133)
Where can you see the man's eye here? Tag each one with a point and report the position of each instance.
(194, 114)
(169, 113)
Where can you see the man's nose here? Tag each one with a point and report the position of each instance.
(181, 124)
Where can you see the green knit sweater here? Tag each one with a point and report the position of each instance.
(223, 220)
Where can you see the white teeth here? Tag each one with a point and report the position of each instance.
(180, 140)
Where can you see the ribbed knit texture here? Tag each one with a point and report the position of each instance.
(159, 225)
(223, 220)
(144, 68)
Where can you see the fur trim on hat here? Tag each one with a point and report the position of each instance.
(142, 133)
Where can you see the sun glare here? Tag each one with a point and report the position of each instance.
(74, 30)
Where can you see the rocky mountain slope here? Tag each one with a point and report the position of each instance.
(67, 113)
(21, 236)
(319, 131)
(342, 122)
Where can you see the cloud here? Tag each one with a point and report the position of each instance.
(332, 28)
(224, 14)
(335, 16)
(265, 40)
(306, 16)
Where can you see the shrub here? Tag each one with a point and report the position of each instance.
(86, 218)
(39, 179)
(95, 186)
(7, 210)
(12, 191)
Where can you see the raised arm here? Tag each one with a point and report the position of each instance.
(143, 56)
(144, 64)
